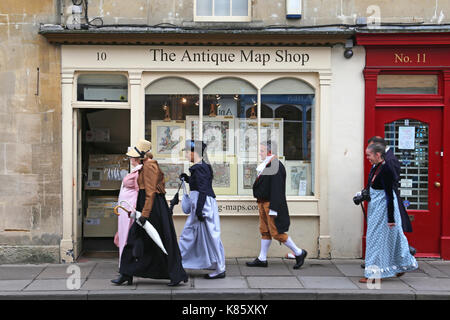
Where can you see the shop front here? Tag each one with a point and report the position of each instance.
(407, 100)
(232, 98)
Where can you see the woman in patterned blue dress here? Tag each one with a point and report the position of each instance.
(387, 249)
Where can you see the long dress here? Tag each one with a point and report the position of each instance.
(387, 249)
(200, 243)
(141, 257)
(129, 192)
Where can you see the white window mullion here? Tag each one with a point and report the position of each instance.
(200, 118)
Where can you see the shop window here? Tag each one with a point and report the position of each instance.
(230, 129)
(222, 10)
(293, 104)
(102, 87)
(168, 102)
(407, 84)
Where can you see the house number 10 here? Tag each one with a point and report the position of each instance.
(101, 56)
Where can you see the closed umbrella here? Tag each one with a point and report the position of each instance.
(148, 227)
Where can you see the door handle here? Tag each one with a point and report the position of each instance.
(437, 184)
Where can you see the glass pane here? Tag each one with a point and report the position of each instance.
(230, 131)
(171, 85)
(288, 86)
(222, 7)
(168, 102)
(204, 7)
(292, 104)
(407, 84)
(409, 139)
(102, 87)
(240, 8)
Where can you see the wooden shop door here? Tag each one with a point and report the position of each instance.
(415, 134)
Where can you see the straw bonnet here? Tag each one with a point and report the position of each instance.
(141, 148)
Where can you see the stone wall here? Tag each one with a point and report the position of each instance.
(268, 13)
(30, 134)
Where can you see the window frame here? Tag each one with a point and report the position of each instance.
(100, 104)
(213, 18)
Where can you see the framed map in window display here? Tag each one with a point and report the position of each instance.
(218, 133)
(298, 178)
(225, 175)
(168, 138)
(246, 177)
(247, 143)
(172, 171)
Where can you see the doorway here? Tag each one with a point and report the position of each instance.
(415, 135)
(103, 139)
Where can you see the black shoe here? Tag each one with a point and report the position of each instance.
(300, 259)
(122, 279)
(363, 265)
(217, 276)
(257, 263)
(174, 284)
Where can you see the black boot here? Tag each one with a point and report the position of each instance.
(123, 278)
(174, 284)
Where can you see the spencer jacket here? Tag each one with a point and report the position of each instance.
(201, 180)
(384, 180)
(271, 186)
(395, 166)
(151, 179)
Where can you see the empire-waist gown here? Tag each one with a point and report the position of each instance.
(200, 243)
(141, 257)
(387, 249)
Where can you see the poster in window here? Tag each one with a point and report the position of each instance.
(167, 138)
(225, 175)
(172, 171)
(298, 178)
(247, 145)
(218, 133)
(246, 177)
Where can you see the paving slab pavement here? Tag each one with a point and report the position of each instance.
(316, 280)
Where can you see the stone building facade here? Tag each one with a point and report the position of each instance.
(37, 215)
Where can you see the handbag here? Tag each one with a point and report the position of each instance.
(186, 203)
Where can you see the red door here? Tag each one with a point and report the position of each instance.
(415, 134)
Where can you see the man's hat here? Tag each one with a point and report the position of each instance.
(141, 148)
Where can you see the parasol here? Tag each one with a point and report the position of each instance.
(148, 227)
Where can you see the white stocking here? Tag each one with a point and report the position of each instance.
(291, 245)
(265, 244)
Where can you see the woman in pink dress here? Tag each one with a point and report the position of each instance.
(129, 192)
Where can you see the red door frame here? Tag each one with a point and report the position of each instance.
(386, 53)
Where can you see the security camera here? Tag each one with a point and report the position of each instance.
(348, 53)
